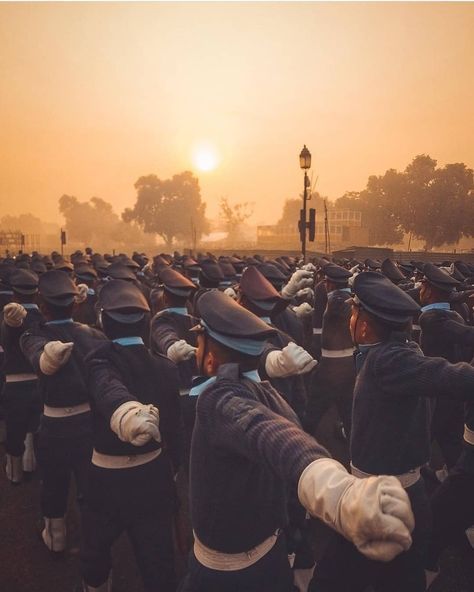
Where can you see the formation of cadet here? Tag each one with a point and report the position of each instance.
(177, 382)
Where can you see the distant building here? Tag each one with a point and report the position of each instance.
(345, 229)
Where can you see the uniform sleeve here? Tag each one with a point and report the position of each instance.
(106, 387)
(248, 428)
(458, 333)
(407, 372)
(170, 416)
(162, 335)
(32, 346)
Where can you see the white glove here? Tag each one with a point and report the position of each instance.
(300, 279)
(136, 423)
(373, 513)
(14, 314)
(231, 293)
(55, 354)
(303, 310)
(82, 296)
(308, 267)
(291, 360)
(305, 293)
(180, 351)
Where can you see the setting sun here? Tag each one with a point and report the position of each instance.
(205, 157)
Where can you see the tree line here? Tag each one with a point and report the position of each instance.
(431, 203)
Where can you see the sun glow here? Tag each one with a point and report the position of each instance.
(205, 157)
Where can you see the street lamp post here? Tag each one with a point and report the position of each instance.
(305, 164)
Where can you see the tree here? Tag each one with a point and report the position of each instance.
(233, 216)
(291, 210)
(171, 208)
(438, 203)
(433, 204)
(95, 223)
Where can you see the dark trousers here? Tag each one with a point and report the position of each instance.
(22, 408)
(140, 501)
(63, 449)
(332, 383)
(344, 569)
(447, 427)
(272, 573)
(452, 507)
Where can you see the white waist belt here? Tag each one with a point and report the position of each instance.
(406, 479)
(27, 376)
(66, 411)
(416, 328)
(108, 461)
(317, 330)
(468, 435)
(337, 353)
(232, 561)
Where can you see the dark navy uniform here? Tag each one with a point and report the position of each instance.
(445, 334)
(21, 399)
(247, 445)
(64, 439)
(334, 377)
(139, 496)
(391, 435)
(169, 326)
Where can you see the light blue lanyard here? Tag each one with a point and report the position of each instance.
(129, 341)
(198, 388)
(436, 306)
(60, 322)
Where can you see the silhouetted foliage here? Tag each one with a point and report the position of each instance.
(233, 216)
(95, 222)
(433, 204)
(291, 210)
(171, 208)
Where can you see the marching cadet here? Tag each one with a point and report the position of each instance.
(283, 362)
(334, 378)
(247, 448)
(286, 320)
(56, 350)
(85, 311)
(135, 413)
(21, 400)
(390, 429)
(170, 336)
(444, 334)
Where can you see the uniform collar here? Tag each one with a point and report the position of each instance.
(200, 383)
(60, 322)
(129, 341)
(348, 290)
(181, 310)
(436, 306)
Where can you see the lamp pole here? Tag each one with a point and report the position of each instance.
(305, 164)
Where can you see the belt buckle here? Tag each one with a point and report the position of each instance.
(69, 409)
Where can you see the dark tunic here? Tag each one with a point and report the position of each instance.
(167, 327)
(247, 446)
(445, 334)
(118, 374)
(15, 362)
(391, 413)
(67, 387)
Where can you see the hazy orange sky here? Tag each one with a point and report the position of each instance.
(94, 95)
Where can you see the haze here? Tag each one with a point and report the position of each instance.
(92, 96)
